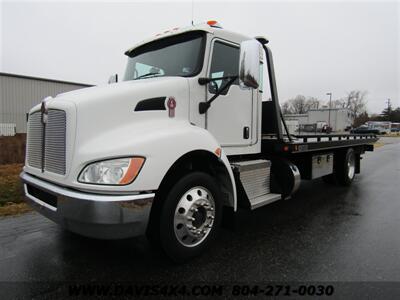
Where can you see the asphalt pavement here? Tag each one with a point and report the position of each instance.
(324, 233)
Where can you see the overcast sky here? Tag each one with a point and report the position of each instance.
(318, 46)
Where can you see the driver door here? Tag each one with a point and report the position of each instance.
(230, 116)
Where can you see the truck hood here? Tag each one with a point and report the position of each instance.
(103, 110)
(130, 91)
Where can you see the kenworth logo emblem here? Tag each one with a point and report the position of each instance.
(44, 110)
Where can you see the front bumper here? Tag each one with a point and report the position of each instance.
(92, 215)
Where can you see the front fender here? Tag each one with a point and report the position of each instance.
(161, 142)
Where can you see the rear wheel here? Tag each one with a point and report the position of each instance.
(345, 168)
(190, 216)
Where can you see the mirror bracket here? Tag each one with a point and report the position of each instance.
(205, 80)
(204, 106)
(113, 78)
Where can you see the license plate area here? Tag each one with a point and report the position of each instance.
(42, 195)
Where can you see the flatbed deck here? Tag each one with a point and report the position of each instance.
(310, 143)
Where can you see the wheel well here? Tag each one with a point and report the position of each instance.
(198, 160)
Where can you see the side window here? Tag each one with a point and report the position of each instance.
(224, 62)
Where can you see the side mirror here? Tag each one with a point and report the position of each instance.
(113, 78)
(249, 64)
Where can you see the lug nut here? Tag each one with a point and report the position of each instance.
(191, 218)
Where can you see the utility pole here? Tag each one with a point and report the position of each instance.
(329, 110)
(389, 106)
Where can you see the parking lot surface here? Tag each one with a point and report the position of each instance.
(324, 233)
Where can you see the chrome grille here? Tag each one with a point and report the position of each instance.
(54, 152)
(35, 140)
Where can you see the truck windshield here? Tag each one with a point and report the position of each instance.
(180, 55)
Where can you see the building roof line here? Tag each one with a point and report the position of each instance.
(43, 79)
(321, 109)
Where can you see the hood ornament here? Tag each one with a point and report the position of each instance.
(44, 110)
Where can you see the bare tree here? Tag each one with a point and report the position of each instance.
(355, 102)
(312, 103)
(300, 105)
(339, 103)
(286, 109)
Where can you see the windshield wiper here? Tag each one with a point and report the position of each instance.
(147, 74)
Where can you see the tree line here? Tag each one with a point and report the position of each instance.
(355, 101)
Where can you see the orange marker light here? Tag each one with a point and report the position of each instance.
(212, 22)
(134, 167)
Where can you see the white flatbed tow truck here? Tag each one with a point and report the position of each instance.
(185, 140)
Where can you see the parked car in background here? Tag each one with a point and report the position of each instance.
(364, 129)
(395, 127)
(383, 127)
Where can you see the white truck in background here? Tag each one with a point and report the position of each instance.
(182, 142)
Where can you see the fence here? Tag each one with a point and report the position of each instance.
(12, 149)
(8, 129)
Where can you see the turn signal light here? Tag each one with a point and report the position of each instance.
(135, 165)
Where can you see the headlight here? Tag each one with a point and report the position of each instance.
(119, 171)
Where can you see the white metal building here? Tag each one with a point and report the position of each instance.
(338, 118)
(300, 118)
(18, 94)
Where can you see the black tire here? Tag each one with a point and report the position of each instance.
(169, 242)
(343, 173)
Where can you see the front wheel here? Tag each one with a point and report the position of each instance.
(190, 216)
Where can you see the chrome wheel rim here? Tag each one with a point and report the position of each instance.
(194, 216)
(351, 166)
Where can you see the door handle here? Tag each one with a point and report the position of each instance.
(246, 132)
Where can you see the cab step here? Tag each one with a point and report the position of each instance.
(255, 178)
(264, 200)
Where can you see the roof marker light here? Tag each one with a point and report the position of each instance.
(213, 23)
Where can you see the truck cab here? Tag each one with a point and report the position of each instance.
(205, 52)
(183, 140)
